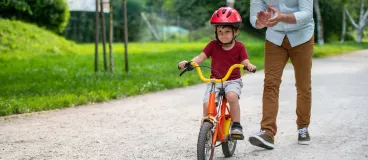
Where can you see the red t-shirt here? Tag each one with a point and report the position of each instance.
(222, 59)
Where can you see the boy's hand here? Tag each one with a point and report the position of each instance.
(182, 64)
(251, 67)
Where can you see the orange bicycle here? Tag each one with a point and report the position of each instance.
(216, 126)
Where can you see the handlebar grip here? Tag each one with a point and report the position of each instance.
(246, 68)
(187, 67)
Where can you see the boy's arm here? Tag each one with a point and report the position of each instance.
(245, 62)
(249, 65)
(200, 58)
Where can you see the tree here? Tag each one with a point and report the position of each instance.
(362, 21)
(230, 3)
(196, 13)
(343, 32)
(317, 10)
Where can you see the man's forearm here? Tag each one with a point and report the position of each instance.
(288, 18)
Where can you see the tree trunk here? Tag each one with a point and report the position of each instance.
(111, 39)
(103, 35)
(230, 3)
(96, 37)
(362, 21)
(359, 35)
(319, 23)
(343, 26)
(125, 36)
(155, 34)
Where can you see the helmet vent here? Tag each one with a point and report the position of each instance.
(228, 15)
(223, 11)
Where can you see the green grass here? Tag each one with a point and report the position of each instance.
(336, 48)
(42, 71)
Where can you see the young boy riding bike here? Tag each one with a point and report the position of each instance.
(225, 51)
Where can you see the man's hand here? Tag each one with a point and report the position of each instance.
(275, 19)
(262, 18)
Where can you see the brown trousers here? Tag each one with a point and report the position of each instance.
(276, 58)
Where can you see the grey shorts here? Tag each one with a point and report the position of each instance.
(230, 86)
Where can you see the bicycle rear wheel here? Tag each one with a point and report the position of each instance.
(205, 150)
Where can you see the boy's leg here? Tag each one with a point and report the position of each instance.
(205, 109)
(205, 100)
(233, 91)
(232, 99)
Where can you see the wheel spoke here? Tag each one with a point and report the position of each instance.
(208, 145)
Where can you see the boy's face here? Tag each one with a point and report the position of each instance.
(225, 33)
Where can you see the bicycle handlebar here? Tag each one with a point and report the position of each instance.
(191, 65)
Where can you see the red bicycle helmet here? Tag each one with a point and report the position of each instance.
(226, 16)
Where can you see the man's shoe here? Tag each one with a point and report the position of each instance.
(237, 131)
(303, 136)
(261, 139)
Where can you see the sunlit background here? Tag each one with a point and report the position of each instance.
(49, 59)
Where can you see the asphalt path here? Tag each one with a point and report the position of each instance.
(165, 125)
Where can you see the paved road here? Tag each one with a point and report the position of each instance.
(165, 125)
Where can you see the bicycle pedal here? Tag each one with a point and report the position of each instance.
(237, 136)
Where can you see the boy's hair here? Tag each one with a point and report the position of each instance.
(235, 27)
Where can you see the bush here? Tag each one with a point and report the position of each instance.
(50, 14)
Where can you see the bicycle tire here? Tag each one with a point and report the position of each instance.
(228, 147)
(205, 151)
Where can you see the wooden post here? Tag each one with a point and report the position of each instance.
(103, 35)
(111, 38)
(125, 35)
(96, 37)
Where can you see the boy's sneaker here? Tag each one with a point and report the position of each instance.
(303, 136)
(261, 139)
(237, 131)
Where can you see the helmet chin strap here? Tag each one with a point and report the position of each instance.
(218, 40)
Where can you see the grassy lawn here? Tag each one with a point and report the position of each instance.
(41, 71)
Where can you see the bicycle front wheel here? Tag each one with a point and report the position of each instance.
(205, 150)
(228, 147)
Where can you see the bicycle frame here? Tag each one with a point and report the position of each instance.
(218, 115)
(217, 122)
